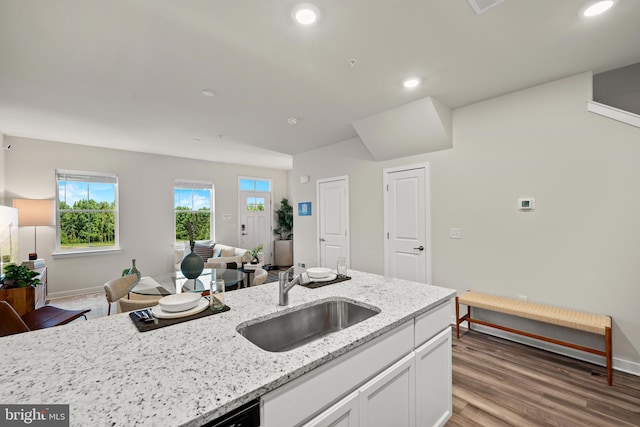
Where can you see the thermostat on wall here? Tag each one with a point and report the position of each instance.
(527, 204)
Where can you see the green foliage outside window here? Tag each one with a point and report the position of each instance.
(86, 224)
(200, 219)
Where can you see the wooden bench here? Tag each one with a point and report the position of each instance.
(580, 320)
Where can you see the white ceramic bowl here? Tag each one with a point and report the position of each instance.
(318, 272)
(179, 302)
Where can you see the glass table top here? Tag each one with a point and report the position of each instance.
(175, 282)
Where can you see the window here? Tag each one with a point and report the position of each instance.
(255, 204)
(193, 200)
(87, 215)
(254, 185)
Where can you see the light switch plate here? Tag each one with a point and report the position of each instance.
(455, 233)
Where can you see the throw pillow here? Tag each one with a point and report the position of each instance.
(227, 252)
(204, 251)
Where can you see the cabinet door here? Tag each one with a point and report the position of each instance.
(389, 398)
(433, 381)
(342, 414)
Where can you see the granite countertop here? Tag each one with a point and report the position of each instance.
(190, 373)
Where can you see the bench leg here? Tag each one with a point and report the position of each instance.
(609, 350)
(457, 319)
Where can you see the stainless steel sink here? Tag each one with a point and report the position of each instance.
(295, 328)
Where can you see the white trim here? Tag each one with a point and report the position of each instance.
(88, 252)
(344, 178)
(614, 113)
(427, 185)
(75, 292)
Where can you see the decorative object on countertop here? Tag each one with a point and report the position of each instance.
(132, 270)
(19, 276)
(192, 265)
(255, 254)
(318, 283)
(179, 302)
(144, 326)
(283, 247)
(216, 295)
(341, 266)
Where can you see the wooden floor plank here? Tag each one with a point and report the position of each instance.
(498, 382)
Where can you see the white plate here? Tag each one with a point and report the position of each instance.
(329, 278)
(318, 272)
(161, 314)
(179, 302)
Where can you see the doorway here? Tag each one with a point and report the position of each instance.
(407, 243)
(254, 200)
(333, 221)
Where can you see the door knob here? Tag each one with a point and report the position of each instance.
(245, 234)
(420, 248)
(322, 240)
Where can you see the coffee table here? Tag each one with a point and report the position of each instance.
(175, 283)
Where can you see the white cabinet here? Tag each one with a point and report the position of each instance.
(433, 381)
(389, 399)
(342, 414)
(402, 378)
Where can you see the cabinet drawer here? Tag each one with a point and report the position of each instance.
(432, 322)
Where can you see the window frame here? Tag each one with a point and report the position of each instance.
(189, 184)
(96, 177)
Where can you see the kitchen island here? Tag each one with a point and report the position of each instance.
(190, 373)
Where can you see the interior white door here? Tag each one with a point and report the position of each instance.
(333, 221)
(255, 221)
(406, 224)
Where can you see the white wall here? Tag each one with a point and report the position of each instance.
(580, 248)
(146, 205)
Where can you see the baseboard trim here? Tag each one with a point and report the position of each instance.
(75, 292)
(618, 364)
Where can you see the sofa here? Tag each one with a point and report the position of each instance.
(213, 254)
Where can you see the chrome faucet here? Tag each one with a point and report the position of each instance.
(285, 285)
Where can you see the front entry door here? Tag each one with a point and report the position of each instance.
(255, 226)
(333, 221)
(407, 243)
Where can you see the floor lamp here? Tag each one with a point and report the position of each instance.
(35, 213)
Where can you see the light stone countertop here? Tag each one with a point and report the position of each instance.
(190, 373)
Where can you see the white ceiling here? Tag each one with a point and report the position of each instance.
(127, 74)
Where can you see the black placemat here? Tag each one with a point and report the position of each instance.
(314, 285)
(161, 323)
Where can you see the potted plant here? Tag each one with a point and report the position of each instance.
(19, 276)
(284, 244)
(18, 287)
(255, 254)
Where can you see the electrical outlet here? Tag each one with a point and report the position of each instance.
(302, 264)
(523, 298)
(455, 233)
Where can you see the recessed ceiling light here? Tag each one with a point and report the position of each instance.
(597, 8)
(412, 82)
(305, 14)
(207, 92)
(292, 121)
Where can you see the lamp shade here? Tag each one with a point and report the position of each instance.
(35, 212)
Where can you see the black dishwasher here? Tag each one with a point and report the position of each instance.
(247, 415)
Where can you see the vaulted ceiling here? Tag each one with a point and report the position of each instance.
(129, 74)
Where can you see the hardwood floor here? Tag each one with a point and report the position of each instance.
(502, 383)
